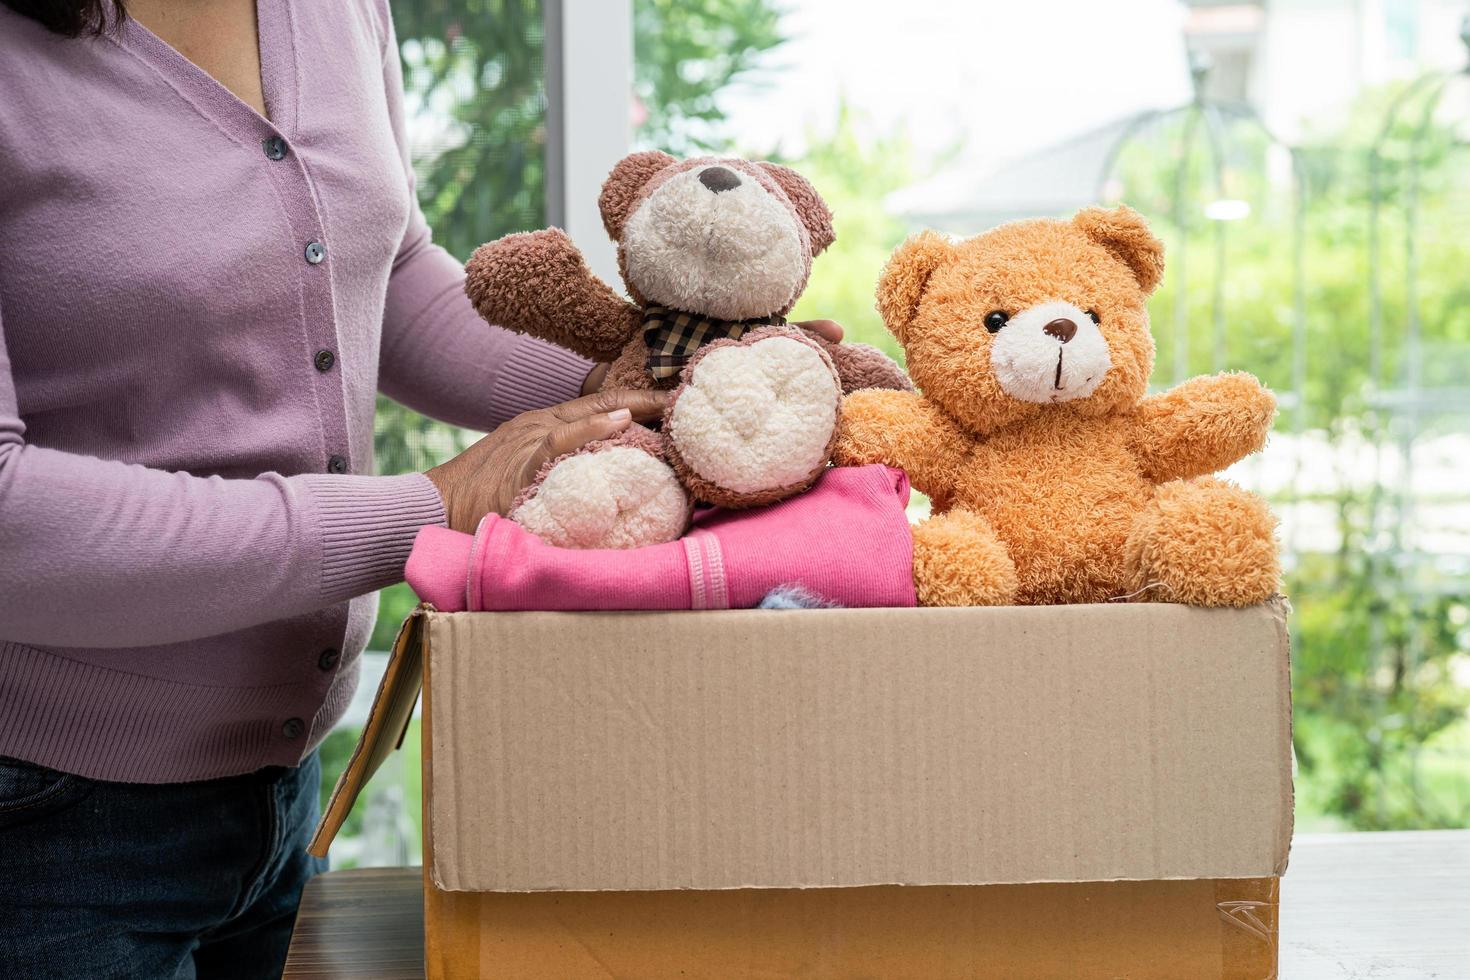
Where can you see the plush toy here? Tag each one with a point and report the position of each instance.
(714, 253)
(1054, 476)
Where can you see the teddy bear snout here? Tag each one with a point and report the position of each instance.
(719, 179)
(1061, 328)
(1049, 353)
(712, 240)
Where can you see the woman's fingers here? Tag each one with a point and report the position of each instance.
(486, 477)
(644, 406)
(571, 436)
(826, 329)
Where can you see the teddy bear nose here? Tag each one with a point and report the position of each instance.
(1060, 328)
(719, 179)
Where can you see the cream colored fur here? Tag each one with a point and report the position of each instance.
(758, 416)
(734, 255)
(618, 497)
(1025, 359)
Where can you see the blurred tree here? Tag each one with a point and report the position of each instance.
(473, 71)
(855, 169)
(685, 54)
(1378, 628)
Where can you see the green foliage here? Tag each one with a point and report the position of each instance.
(394, 605)
(1237, 279)
(477, 64)
(1376, 643)
(477, 67)
(1381, 736)
(684, 55)
(1374, 690)
(855, 171)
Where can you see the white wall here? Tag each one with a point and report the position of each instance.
(589, 81)
(1319, 54)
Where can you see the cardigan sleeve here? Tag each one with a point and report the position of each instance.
(438, 356)
(101, 553)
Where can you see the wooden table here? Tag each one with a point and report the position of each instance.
(365, 924)
(1391, 906)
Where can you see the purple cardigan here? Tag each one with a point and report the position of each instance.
(197, 309)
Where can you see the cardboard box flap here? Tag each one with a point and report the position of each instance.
(387, 722)
(835, 748)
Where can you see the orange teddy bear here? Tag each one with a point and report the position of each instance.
(1054, 476)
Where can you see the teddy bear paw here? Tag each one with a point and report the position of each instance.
(959, 561)
(616, 493)
(1204, 542)
(754, 420)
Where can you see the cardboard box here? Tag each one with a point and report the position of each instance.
(1070, 791)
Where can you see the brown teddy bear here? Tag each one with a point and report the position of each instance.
(1054, 476)
(714, 252)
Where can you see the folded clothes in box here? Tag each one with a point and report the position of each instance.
(845, 542)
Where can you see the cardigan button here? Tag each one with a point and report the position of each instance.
(275, 148)
(324, 360)
(294, 728)
(337, 464)
(328, 658)
(315, 252)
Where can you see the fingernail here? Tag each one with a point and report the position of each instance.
(619, 415)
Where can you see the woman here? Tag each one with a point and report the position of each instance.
(212, 260)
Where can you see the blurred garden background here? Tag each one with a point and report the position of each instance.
(1307, 163)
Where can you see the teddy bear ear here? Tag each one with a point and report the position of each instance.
(810, 207)
(904, 278)
(1125, 233)
(621, 188)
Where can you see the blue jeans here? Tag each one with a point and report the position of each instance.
(103, 880)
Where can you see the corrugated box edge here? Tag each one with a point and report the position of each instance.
(387, 722)
(1280, 607)
(1277, 608)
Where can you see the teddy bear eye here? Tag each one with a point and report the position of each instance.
(1095, 318)
(994, 320)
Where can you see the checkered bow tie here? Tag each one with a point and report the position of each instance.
(674, 336)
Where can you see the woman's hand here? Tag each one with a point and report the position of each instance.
(826, 329)
(486, 477)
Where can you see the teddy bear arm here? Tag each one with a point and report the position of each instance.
(1202, 425)
(862, 366)
(537, 283)
(901, 429)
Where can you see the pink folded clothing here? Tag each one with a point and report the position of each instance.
(845, 541)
